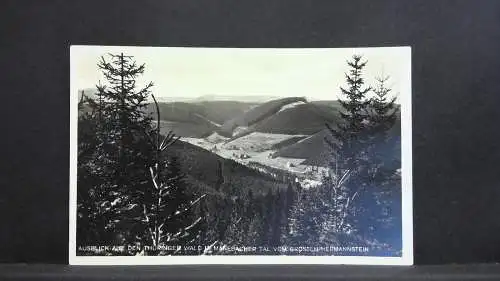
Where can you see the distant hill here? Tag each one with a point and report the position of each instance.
(187, 129)
(230, 120)
(197, 119)
(328, 103)
(190, 119)
(215, 110)
(294, 116)
(178, 112)
(221, 111)
(240, 98)
(302, 119)
(256, 114)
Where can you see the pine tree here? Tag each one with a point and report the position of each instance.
(122, 151)
(349, 145)
(129, 191)
(347, 138)
(360, 145)
(167, 208)
(383, 107)
(383, 154)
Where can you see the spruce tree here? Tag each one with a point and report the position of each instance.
(348, 144)
(383, 145)
(347, 141)
(167, 206)
(382, 107)
(122, 152)
(384, 155)
(355, 94)
(129, 191)
(347, 138)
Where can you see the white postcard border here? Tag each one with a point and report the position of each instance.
(407, 206)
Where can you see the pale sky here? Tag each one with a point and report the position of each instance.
(192, 72)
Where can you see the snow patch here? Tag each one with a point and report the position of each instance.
(215, 138)
(291, 105)
(310, 183)
(239, 130)
(208, 120)
(304, 139)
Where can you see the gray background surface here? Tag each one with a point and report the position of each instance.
(456, 98)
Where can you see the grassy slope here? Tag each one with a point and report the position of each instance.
(256, 114)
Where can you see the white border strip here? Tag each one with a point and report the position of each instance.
(407, 208)
(407, 169)
(73, 163)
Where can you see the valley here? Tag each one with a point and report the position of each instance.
(256, 151)
(282, 138)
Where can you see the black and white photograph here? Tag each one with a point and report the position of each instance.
(191, 155)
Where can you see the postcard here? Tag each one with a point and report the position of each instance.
(191, 155)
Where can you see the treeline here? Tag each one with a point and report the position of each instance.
(132, 190)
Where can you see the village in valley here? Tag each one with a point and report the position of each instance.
(255, 150)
